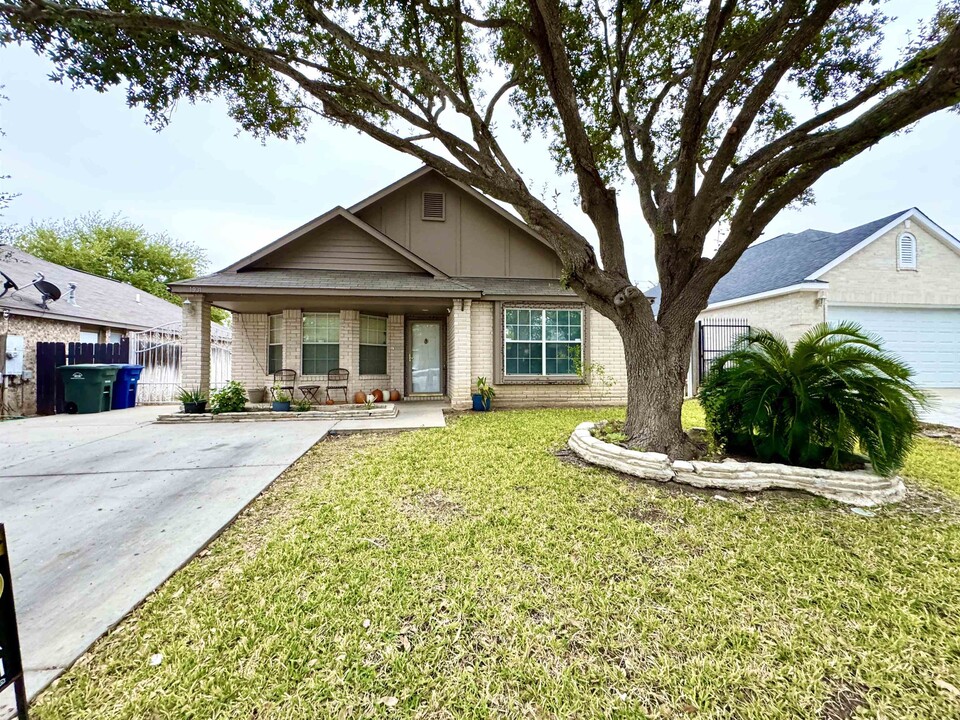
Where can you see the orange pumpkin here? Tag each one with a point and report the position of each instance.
(378, 396)
(359, 398)
(394, 395)
(329, 401)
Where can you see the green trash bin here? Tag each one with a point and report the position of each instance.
(87, 388)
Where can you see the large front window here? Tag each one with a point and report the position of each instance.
(542, 342)
(373, 345)
(321, 343)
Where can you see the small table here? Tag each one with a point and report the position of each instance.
(310, 392)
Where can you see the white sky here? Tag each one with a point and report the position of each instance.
(74, 152)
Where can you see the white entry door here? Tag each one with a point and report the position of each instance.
(425, 357)
(927, 340)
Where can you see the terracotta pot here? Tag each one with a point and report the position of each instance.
(329, 401)
(359, 398)
(378, 396)
(394, 395)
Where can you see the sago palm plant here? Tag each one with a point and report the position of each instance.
(836, 390)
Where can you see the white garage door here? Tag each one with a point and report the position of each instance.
(928, 340)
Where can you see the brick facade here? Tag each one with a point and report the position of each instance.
(20, 394)
(195, 358)
(470, 353)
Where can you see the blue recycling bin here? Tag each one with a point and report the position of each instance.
(125, 386)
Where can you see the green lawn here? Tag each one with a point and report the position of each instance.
(469, 572)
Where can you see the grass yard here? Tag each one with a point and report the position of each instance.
(470, 572)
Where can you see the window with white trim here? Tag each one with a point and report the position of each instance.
(907, 252)
(541, 341)
(321, 343)
(373, 345)
(275, 344)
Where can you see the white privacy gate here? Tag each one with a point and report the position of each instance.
(159, 351)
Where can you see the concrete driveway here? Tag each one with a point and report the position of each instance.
(944, 409)
(101, 509)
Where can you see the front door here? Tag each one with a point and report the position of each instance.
(425, 357)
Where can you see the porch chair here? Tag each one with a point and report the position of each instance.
(285, 380)
(337, 379)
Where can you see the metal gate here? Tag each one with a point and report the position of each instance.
(713, 338)
(159, 351)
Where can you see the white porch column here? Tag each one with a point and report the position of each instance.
(459, 355)
(195, 343)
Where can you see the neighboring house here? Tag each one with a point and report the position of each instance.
(97, 310)
(421, 287)
(898, 277)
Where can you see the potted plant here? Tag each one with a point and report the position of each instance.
(256, 394)
(281, 399)
(484, 394)
(194, 401)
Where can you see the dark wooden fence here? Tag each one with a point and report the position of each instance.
(51, 355)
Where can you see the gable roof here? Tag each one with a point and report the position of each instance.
(337, 212)
(100, 301)
(799, 260)
(475, 194)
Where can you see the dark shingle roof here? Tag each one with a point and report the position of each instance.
(786, 260)
(360, 281)
(518, 286)
(347, 280)
(100, 300)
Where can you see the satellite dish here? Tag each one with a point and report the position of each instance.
(48, 291)
(8, 284)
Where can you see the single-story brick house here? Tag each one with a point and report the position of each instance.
(421, 287)
(97, 310)
(898, 277)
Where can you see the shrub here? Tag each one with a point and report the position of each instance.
(230, 398)
(814, 405)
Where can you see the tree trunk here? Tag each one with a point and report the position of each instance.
(657, 366)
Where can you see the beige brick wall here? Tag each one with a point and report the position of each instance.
(460, 380)
(249, 360)
(251, 334)
(789, 315)
(195, 363)
(20, 395)
(871, 277)
(605, 348)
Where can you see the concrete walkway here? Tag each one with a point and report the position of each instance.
(101, 509)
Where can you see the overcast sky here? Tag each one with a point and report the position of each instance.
(73, 152)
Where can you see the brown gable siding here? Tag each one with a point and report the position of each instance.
(473, 240)
(337, 245)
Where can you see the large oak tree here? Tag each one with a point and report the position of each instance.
(712, 111)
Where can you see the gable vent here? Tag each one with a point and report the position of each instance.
(907, 252)
(434, 206)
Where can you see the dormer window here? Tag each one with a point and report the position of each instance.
(434, 206)
(906, 252)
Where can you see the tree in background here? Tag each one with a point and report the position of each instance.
(708, 110)
(117, 249)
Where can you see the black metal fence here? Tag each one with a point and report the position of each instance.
(51, 355)
(713, 338)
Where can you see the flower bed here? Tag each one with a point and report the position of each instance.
(859, 487)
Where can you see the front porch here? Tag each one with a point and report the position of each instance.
(420, 347)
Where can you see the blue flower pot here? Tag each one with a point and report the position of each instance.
(281, 406)
(478, 403)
